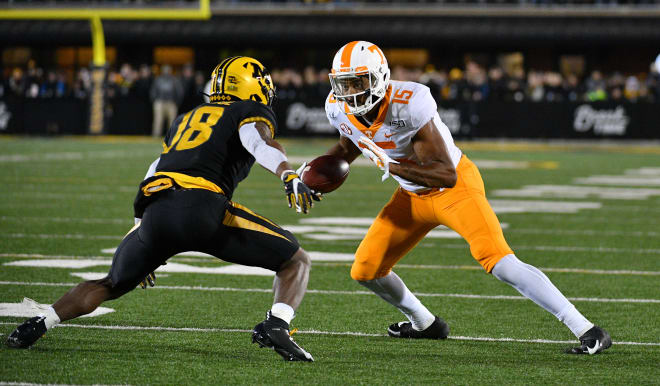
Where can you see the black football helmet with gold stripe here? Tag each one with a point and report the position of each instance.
(241, 78)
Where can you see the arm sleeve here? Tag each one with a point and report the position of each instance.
(152, 168)
(266, 155)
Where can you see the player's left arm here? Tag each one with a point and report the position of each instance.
(257, 139)
(434, 168)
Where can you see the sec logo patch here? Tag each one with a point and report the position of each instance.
(344, 127)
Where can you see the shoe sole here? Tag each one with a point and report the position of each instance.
(265, 342)
(15, 343)
(444, 327)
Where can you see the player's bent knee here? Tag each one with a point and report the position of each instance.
(488, 252)
(366, 272)
(301, 258)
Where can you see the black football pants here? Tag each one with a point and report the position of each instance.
(198, 220)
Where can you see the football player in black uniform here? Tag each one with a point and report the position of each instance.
(185, 204)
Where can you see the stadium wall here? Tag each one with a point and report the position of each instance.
(493, 119)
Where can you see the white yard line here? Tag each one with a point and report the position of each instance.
(203, 258)
(72, 156)
(354, 221)
(333, 333)
(79, 220)
(337, 292)
(79, 236)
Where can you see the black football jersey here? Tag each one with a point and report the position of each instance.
(204, 142)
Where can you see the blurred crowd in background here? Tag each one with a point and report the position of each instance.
(470, 83)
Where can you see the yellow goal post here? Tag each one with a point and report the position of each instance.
(94, 13)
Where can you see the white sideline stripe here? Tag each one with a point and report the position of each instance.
(338, 292)
(335, 333)
(333, 257)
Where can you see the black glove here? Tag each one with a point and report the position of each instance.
(298, 194)
(149, 280)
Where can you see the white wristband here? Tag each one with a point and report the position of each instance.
(285, 172)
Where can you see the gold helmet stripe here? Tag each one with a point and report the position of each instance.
(214, 75)
(216, 71)
(220, 70)
(224, 73)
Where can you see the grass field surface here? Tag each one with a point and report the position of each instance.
(586, 214)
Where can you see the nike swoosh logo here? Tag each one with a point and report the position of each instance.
(387, 136)
(592, 350)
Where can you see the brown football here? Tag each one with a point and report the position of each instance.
(325, 173)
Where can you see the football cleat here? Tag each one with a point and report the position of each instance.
(592, 342)
(274, 333)
(438, 330)
(27, 333)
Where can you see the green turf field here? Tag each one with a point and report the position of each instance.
(69, 200)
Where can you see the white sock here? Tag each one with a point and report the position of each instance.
(535, 285)
(394, 291)
(51, 317)
(282, 311)
(574, 320)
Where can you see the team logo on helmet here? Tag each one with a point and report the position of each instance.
(241, 78)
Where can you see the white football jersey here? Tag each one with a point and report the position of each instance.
(406, 107)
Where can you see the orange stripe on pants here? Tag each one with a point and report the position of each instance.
(408, 217)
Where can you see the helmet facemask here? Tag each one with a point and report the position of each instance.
(359, 91)
(267, 87)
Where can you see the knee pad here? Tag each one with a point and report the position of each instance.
(365, 271)
(487, 252)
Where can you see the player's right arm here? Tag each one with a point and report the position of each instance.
(345, 149)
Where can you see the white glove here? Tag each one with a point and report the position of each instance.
(377, 155)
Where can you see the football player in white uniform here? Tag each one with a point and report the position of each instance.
(396, 125)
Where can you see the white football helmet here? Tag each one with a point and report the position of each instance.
(359, 76)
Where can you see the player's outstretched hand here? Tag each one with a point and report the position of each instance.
(317, 196)
(150, 280)
(297, 193)
(377, 155)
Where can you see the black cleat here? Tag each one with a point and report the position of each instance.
(274, 333)
(592, 342)
(438, 330)
(27, 333)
